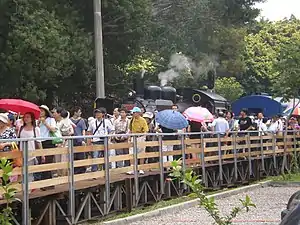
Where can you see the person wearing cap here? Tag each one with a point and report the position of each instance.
(46, 124)
(99, 127)
(138, 125)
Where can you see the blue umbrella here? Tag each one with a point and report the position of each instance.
(171, 119)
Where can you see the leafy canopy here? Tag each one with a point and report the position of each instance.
(229, 88)
(264, 50)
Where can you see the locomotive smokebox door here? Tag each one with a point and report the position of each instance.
(104, 102)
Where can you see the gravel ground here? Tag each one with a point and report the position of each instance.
(270, 201)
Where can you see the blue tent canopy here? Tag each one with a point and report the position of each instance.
(259, 103)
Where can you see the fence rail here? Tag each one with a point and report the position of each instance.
(207, 149)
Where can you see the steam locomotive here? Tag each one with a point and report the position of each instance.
(152, 98)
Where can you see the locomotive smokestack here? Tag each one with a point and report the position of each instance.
(138, 84)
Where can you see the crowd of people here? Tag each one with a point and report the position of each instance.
(58, 122)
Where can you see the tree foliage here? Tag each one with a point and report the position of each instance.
(229, 88)
(47, 46)
(286, 83)
(263, 52)
(44, 53)
(9, 192)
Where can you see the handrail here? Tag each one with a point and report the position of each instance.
(212, 149)
(137, 135)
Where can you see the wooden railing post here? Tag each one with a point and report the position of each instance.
(71, 182)
(235, 156)
(220, 159)
(285, 159)
(26, 220)
(262, 150)
(161, 165)
(248, 141)
(136, 170)
(204, 181)
(274, 150)
(107, 178)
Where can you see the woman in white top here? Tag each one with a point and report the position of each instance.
(47, 125)
(30, 130)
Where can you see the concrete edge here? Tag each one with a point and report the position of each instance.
(184, 205)
(284, 184)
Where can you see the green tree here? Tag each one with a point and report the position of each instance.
(287, 81)
(203, 29)
(229, 88)
(47, 49)
(44, 55)
(46, 46)
(126, 23)
(262, 52)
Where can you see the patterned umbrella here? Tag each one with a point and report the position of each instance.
(171, 119)
(198, 114)
(296, 111)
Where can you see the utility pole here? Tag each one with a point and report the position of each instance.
(100, 85)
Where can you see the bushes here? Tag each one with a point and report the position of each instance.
(8, 192)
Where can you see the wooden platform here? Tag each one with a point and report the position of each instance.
(207, 150)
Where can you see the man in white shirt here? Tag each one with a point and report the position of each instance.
(99, 127)
(220, 125)
(261, 126)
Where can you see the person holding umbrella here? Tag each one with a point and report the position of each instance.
(169, 122)
(30, 130)
(167, 148)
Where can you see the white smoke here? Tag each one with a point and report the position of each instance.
(143, 73)
(167, 76)
(180, 64)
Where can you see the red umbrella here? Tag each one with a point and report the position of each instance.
(20, 106)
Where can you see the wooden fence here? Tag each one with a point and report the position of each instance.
(208, 149)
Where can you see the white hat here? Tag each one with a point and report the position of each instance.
(3, 118)
(148, 115)
(46, 108)
(90, 119)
